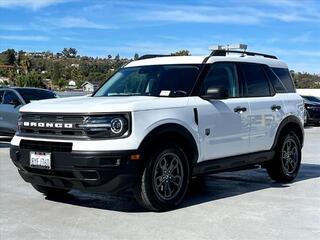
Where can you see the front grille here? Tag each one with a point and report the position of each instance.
(72, 122)
(46, 146)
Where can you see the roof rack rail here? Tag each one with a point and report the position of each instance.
(152, 56)
(223, 52)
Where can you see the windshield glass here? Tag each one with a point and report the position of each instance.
(35, 94)
(160, 80)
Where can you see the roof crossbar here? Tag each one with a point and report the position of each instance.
(223, 52)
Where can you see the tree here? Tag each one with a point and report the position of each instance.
(24, 61)
(9, 56)
(181, 53)
(69, 52)
(32, 79)
(61, 83)
(56, 73)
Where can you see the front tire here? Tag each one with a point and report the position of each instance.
(49, 191)
(164, 180)
(286, 163)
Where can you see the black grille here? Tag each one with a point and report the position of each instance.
(46, 146)
(53, 131)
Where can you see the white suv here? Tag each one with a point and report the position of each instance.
(161, 120)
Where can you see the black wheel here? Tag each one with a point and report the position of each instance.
(286, 163)
(49, 191)
(164, 180)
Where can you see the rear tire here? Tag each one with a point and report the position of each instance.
(165, 179)
(285, 165)
(49, 191)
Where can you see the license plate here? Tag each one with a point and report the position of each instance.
(40, 160)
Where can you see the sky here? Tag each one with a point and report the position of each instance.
(289, 29)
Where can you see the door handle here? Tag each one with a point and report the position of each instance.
(275, 107)
(240, 109)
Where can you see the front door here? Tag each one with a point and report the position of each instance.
(224, 125)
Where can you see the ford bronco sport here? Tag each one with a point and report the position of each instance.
(161, 120)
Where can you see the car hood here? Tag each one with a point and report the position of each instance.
(88, 104)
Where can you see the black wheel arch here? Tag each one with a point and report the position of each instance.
(292, 123)
(171, 132)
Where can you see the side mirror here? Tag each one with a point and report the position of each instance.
(15, 102)
(216, 93)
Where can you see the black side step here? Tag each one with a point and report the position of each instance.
(232, 163)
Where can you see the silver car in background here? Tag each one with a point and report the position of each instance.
(11, 100)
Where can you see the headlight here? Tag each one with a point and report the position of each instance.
(108, 126)
(312, 107)
(117, 125)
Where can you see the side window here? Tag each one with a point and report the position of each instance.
(256, 83)
(275, 81)
(285, 77)
(1, 95)
(222, 75)
(9, 97)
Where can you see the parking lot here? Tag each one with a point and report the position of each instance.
(236, 205)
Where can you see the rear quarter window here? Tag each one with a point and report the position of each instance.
(285, 77)
(277, 84)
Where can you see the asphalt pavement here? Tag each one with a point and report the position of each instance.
(235, 205)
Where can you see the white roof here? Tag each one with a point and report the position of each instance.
(167, 60)
(199, 59)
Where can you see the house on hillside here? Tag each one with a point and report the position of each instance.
(89, 86)
(72, 85)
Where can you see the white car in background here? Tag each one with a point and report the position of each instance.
(12, 99)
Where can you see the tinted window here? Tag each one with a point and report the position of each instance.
(222, 75)
(1, 95)
(256, 84)
(285, 77)
(275, 81)
(161, 80)
(312, 99)
(9, 97)
(35, 94)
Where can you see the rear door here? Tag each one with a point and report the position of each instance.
(223, 124)
(266, 106)
(9, 112)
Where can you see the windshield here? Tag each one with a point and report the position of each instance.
(160, 80)
(35, 94)
(312, 98)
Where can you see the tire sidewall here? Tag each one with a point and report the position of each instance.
(290, 135)
(149, 171)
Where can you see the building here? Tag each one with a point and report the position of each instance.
(89, 86)
(71, 83)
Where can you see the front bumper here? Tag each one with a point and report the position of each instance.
(107, 172)
(313, 115)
